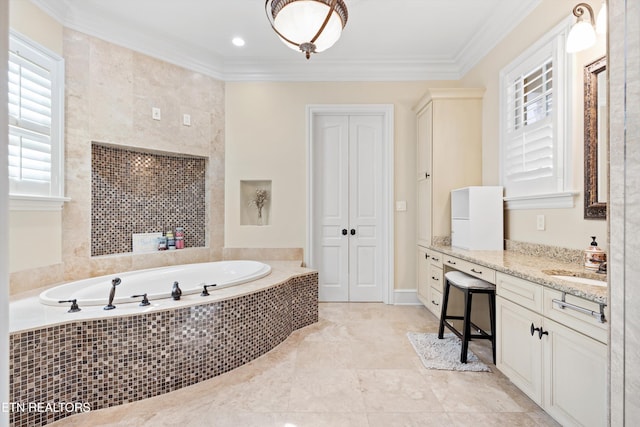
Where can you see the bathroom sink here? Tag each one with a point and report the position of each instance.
(582, 280)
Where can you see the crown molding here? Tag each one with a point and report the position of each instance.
(492, 33)
(200, 60)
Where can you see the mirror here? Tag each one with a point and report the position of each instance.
(596, 132)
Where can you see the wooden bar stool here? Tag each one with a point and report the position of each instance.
(469, 285)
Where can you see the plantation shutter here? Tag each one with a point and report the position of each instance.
(30, 101)
(529, 145)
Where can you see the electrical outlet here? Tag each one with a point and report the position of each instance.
(401, 205)
(540, 222)
(155, 113)
(186, 119)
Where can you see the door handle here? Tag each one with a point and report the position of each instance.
(426, 175)
(353, 231)
(344, 231)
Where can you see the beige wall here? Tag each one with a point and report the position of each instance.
(564, 227)
(29, 20)
(35, 237)
(266, 139)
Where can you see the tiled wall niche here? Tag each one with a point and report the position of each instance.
(142, 192)
(248, 208)
(111, 361)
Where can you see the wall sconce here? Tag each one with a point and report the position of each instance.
(583, 33)
(307, 25)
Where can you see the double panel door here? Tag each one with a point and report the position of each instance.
(347, 206)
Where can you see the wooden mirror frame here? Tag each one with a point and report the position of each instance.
(593, 209)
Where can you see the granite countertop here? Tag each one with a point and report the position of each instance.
(535, 268)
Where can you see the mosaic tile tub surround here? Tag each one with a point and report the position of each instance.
(100, 363)
(143, 192)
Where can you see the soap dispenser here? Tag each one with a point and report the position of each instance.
(593, 255)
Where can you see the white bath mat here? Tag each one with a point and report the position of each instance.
(444, 354)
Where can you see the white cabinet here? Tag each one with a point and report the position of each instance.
(561, 369)
(448, 155)
(430, 279)
(477, 218)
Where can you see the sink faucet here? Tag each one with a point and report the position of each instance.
(115, 282)
(602, 269)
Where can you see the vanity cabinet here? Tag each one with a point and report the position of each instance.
(557, 356)
(430, 278)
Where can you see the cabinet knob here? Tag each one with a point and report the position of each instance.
(426, 256)
(534, 329)
(426, 175)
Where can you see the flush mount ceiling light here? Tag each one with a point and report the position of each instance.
(307, 25)
(583, 35)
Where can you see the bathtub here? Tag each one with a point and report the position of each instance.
(156, 282)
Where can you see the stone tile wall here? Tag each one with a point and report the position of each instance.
(111, 361)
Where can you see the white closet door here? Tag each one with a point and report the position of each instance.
(365, 192)
(331, 206)
(347, 198)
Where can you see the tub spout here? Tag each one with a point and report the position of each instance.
(115, 282)
(176, 291)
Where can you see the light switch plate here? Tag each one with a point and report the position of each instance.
(155, 113)
(401, 206)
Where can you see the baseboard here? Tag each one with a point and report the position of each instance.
(405, 297)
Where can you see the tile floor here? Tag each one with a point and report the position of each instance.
(355, 367)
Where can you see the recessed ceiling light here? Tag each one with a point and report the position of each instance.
(238, 41)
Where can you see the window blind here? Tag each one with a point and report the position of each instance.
(29, 121)
(529, 145)
(35, 119)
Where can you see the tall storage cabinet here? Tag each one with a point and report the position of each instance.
(449, 156)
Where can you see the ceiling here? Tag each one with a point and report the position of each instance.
(383, 39)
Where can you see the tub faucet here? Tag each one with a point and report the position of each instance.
(115, 282)
(176, 291)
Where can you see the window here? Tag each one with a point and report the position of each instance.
(534, 134)
(36, 112)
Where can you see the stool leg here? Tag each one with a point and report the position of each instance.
(443, 312)
(466, 331)
(492, 314)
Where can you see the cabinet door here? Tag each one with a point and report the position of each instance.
(423, 154)
(575, 377)
(423, 275)
(518, 353)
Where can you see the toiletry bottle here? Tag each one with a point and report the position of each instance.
(171, 241)
(593, 255)
(179, 238)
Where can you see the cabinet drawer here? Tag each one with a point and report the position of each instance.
(522, 292)
(435, 302)
(475, 270)
(436, 279)
(435, 258)
(574, 317)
